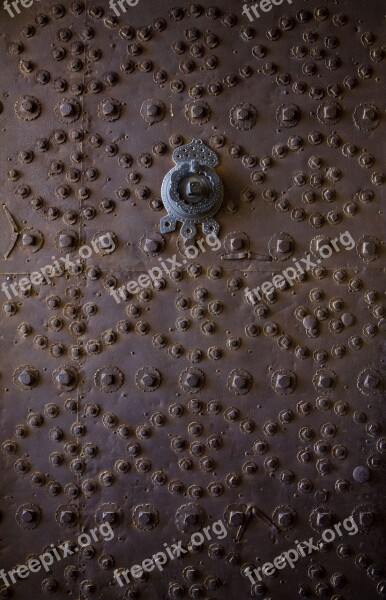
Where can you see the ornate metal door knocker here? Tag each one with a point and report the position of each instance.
(192, 191)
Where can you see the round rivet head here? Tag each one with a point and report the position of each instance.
(347, 319)
(108, 108)
(28, 515)
(361, 474)
(66, 109)
(310, 322)
(148, 379)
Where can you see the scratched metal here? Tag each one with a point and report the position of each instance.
(185, 404)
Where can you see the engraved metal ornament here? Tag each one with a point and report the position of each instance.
(192, 191)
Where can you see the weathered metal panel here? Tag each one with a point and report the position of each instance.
(185, 403)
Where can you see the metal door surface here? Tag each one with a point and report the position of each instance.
(193, 299)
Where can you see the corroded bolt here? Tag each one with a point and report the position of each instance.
(330, 112)
(27, 106)
(108, 517)
(145, 517)
(26, 377)
(328, 194)
(366, 518)
(27, 239)
(323, 519)
(283, 382)
(191, 380)
(150, 245)
(87, 588)
(148, 379)
(317, 220)
(67, 516)
(233, 344)
(63, 377)
(315, 137)
(216, 353)
(65, 240)
(325, 381)
(287, 114)
(310, 322)
(107, 379)
(240, 382)
(197, 112)
(361, 474)
(285, 519)
(57, 53)
(146, 160)
(190, 519)
(371, 382)
(108, 108)
(236, 518)
(283, 245)
(370, 114)
(28, 515)
(152, 110)
(300, 179)
(242, 114)
(369, 248)
(236, 243)
(66, 109)
(315, 571)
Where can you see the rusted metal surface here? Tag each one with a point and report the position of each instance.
(184, 403)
